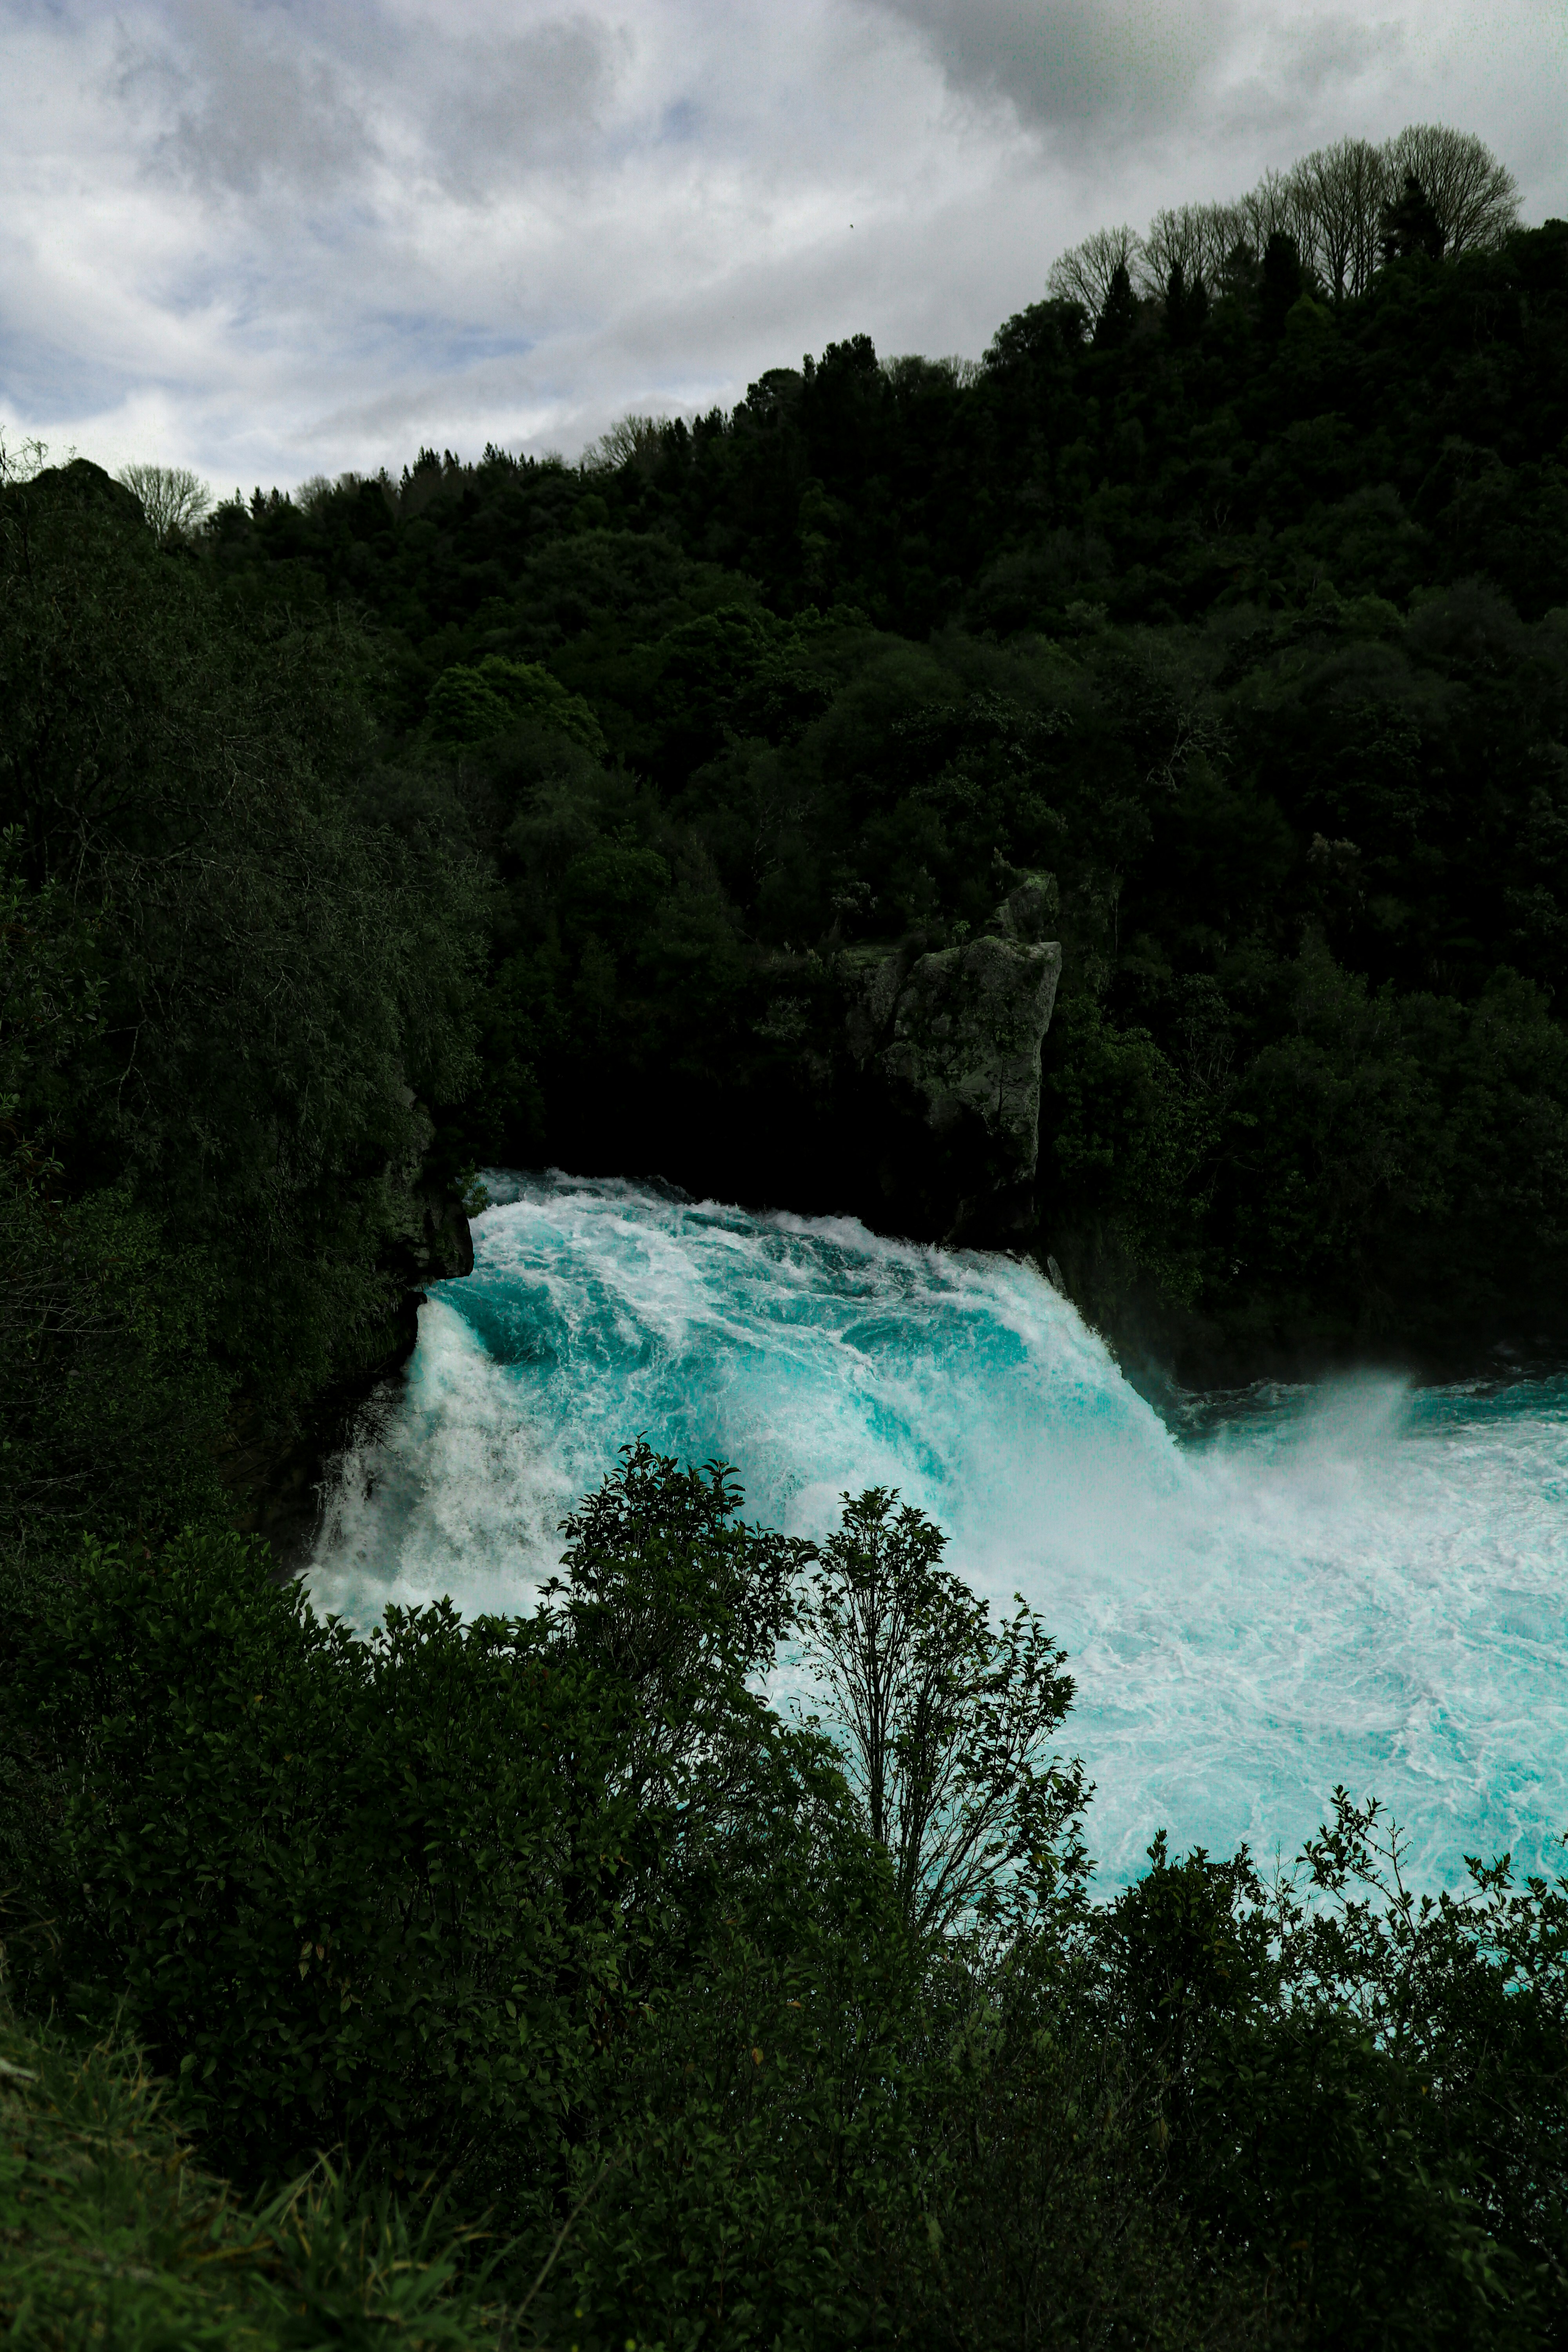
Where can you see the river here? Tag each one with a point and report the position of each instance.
(1262, 1595)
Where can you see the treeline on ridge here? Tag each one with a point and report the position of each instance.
(1344, 211)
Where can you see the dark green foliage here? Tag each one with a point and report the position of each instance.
(469, 706)
(1281, 283)
(1186, 307)
(225, 980)
(557, 1913)
(1331, 2055)
(357, 1844)
(749, 2160)
(1411, 226)
(1119, 314)
(434, 1875)
(111, 1406)
(110, 2234)
(1242, 618)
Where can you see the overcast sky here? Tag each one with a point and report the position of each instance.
(271, 240)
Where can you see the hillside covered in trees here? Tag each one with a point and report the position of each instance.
(1229, 589)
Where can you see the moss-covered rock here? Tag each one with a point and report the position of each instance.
(967, 1029)
(950, 1041)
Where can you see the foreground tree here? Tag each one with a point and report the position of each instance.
(1411, 226)
(944, 1724)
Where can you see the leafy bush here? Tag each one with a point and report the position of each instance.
(556, 1914)
(351, 1892)
(470, 705)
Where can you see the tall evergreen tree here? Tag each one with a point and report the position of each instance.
(1410, 225)
(1119, 314)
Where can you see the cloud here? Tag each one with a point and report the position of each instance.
(274, 238)
(254, 99)
(244, 101)
(1077, 67)
(500, 107)
(1111, 85)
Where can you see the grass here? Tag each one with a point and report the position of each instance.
(111, 2236)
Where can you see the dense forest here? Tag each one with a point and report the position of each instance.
(531, 1981)
(1243, 617)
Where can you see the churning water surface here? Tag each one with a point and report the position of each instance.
(1359, 1582)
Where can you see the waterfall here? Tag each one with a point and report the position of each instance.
(1356, 1582)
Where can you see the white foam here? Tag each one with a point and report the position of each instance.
(1356, 1583)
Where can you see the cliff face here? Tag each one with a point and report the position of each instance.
(918, 1073)
(946, 1051)
(427, 1237)
(275, 1472)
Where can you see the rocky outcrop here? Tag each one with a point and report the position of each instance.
(275, 1471)
(947, 1045)
(967, 1029)
(432, 1242)
(427, 1236)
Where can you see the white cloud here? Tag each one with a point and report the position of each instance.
(270, 239)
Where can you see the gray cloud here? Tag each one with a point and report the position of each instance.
(263, 100)
(501, 105)
(278, 238)
(1091, 72)
(1077, 66)
(250, 101)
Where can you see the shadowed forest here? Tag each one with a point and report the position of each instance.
(534, 1981)
(1237, 606)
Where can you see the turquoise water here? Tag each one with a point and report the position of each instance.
(1356, 1582)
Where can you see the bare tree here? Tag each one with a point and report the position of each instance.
(1272, 208)
(311, 493)
(1085, 274)
(1475, 197)
(1306, 225)
(910, 372)
(633, 440)
(943, 1722)
(1200, 237)
(1343, 190)
(1171, 243)
(1175, 241)
(172, 499)
(1330, 204)
(23, 461)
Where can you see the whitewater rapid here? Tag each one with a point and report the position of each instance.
(1357, 1583)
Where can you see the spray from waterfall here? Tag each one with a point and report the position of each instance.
(1353, 1583)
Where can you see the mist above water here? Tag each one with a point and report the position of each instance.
(1355, 1582)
